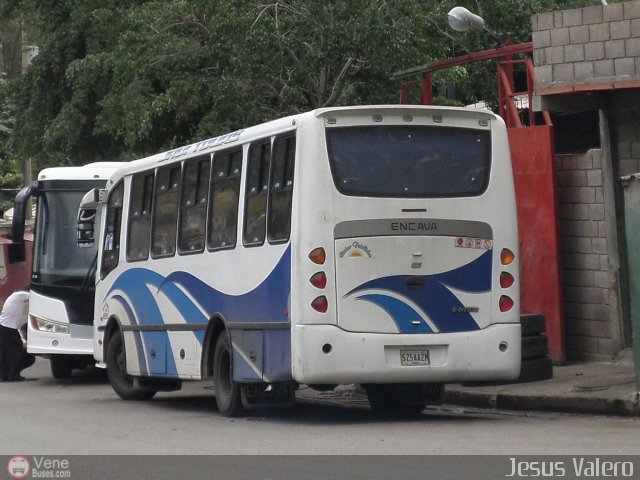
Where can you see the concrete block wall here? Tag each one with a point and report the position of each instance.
(590, 308)
(595, 44)
(626, 125)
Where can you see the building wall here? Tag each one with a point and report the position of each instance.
(626, 125)
(589, 59)
(590, 297)
(595, 44)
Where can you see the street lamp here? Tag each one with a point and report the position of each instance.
(462, 20)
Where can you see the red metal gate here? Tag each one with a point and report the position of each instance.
(532, 157)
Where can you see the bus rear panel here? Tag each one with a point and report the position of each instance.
(417, 213)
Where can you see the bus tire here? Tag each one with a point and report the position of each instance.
(121, 382)
(61, 366)
(228, 394)
(386, 400)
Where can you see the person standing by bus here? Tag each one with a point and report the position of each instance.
(13, 342)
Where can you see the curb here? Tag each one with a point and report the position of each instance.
(582, 405)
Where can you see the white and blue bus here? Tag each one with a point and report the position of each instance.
(62, 275)
(368, 245)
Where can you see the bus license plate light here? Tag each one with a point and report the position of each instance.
(413, 358)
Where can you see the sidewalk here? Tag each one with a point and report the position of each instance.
(606, 388)
(593, 388)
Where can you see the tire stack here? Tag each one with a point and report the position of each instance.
(536, 363)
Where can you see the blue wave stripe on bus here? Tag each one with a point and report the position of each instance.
(189, 311)
(474, 277)
(403, 315)
(134, 283)
(435, 298)
(136, 335)
(268, 302)
(146, 312)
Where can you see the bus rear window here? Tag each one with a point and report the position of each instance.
(409, 161)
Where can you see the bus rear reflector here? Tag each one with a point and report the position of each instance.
(318, 256)
(506, 256)
(319, 280)
(506, 303)
(320, 304)
(506, 280)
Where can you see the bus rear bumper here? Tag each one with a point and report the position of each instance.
(325, 354)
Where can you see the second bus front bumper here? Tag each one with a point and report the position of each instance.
(64, 339)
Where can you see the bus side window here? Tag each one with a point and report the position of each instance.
(281, 189)
(111, 245)
(140, 216)
(193, 205)
(256, 194)
(165, 212)
(225, 194)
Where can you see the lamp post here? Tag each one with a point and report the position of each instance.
(462, 20)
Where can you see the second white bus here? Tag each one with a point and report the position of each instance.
(63, 275)
(368, 245)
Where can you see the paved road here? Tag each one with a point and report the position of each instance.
(83, 416)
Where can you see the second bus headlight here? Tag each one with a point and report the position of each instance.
(43, 325)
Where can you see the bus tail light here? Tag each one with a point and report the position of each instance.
(320, 304)
(319, 280)
(506, 280)
(318, 256)
(505, 303)
(507, 257)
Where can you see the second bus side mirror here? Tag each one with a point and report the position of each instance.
(87, 218)
(86, 227)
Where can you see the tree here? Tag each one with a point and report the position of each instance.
(123, 79)
(10, 174)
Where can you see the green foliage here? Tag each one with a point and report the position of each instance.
(10, 175)
(119, 79)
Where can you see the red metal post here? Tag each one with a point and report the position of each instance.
(426, 96)
(404, 95)
(508, 110)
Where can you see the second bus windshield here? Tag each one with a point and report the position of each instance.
(57, 258)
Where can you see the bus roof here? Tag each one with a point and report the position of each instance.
(373, 109)
(281, 125)
(91, 171)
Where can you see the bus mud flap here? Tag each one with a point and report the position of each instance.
(256, 395)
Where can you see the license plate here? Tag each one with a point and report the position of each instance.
(410, 358)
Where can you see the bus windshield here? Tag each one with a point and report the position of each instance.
(409, 161)
(57, 259)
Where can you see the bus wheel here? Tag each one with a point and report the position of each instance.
(61, 366)
(120, 381)
(389, 401)
(228, 395)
